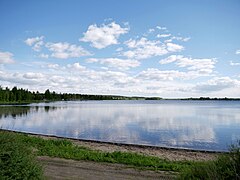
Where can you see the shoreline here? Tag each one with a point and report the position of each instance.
(173, 154)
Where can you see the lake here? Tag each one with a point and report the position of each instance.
(199, 125)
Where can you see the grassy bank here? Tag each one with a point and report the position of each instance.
(66, 149)
(27, 146)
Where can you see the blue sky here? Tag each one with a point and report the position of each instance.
(135, 48)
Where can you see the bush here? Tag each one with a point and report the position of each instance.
(226, 167)
(16, 159)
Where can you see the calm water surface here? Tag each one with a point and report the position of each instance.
(203, 125)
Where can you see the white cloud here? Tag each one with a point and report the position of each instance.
(186, 39)
(161, 28)
(30, 78)
(103, 36)
(202, 66)
(61, 50)
(6, 58)
(65, 50)
(76, 66)
(158, 75)
(178, 38)
(45, 56)
(234, 63)
(36, 43)
(31, 75)
(217, 84)
(237, 51)
(53, 66)
(32, 41)
(150, 82)
(174, 47)
(163, 35)
(119, 49)
(181, 38)
(121, 64)
(151, 30)
(144, 48)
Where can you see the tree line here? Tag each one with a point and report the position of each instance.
(15, 94)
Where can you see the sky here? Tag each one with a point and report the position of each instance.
(164, 48)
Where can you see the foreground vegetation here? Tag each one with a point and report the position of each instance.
(16, 159)
(226, 167)
(17, 152)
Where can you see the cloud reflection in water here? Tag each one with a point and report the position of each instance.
(165, 123)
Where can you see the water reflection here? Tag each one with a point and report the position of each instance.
(13, 111)
(210, 126)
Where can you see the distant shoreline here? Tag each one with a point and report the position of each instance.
(146, 99)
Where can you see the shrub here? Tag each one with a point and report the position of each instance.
(226, 167)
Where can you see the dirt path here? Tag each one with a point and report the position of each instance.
(56, 168)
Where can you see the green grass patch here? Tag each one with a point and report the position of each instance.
(16, 159)
(226, 167)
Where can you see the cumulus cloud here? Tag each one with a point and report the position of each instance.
(45, 56)
(202, 66)
(144, 48)
(6, 58)
(163, 35)
(174, 47)
(104, 35)
(29, 78)
(61, 50)
(31, 75)
(65, 50)
(77, 78)
(178, 38)
(161, 28)
(36, 43)
(217, 84)
(121, 64)
(119, 49)
(181, 38)
(76, 66)
(151, 30)
(234, 63)
(156, 74)
(237, 51)
(53, 66)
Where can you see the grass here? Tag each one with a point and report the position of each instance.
(16, 159)
(226, 167)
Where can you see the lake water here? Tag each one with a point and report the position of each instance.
(202, 125)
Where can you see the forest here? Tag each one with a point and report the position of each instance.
(20, 95)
